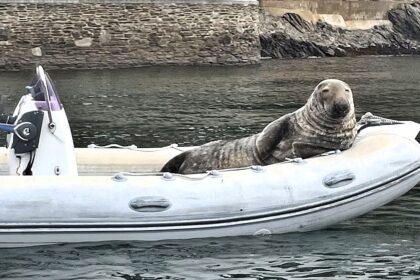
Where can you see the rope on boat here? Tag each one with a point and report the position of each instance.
(167, 176)
(370, 119)
(329, 153)
(294, 160)
(135, 148)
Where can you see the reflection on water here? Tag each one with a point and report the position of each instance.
(338, 254)
(158, 106)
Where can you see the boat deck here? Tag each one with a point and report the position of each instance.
(109, 161)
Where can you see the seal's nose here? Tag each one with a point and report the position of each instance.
(341, 108)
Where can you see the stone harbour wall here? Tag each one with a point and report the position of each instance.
(110, 34)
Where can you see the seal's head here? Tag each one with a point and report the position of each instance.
(334, 98)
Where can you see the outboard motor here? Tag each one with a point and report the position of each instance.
(40, 141)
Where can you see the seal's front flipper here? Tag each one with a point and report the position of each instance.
(307, 150)
(271, 136)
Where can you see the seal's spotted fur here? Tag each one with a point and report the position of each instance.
(326, 122)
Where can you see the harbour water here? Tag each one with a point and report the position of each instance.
(157, 106)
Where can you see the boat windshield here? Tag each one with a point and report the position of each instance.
(43, 91)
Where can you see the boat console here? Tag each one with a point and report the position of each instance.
(39, 118)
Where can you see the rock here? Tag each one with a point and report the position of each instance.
(85, 42)
(104, 37)
(36, 51)
(291, 36)
(298, 22)
(4, 33)
(406, 20)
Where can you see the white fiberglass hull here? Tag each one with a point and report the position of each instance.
(383, 164)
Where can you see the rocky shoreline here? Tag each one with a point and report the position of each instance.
(290, 36)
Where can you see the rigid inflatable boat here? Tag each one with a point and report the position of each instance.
(116, 193)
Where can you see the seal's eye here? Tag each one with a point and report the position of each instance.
(325, 90)
(347, 90)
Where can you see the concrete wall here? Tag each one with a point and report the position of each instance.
(109, 34)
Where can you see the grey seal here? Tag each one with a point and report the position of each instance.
(325, 123)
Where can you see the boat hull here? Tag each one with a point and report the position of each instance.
(306, 195)
(304, 220)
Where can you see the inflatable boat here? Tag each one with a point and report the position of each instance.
(51, 192)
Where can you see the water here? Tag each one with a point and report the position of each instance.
(158, 106)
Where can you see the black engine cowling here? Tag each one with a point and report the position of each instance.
(27, 132)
